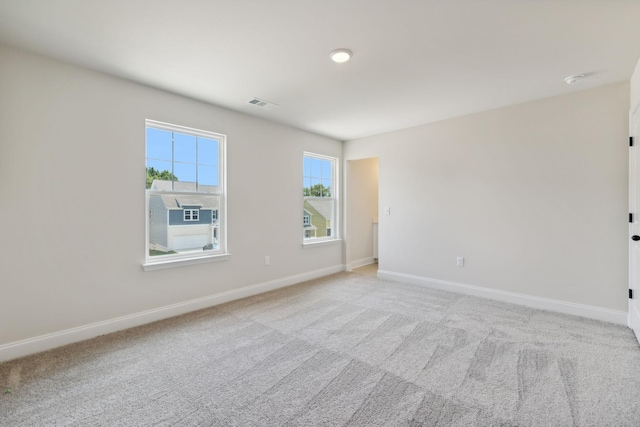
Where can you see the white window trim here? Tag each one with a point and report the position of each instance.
(178, 260)
(335, 227)
(320, 241)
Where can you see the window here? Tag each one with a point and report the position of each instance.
(191, 214)
(185, 193)
(319, 197)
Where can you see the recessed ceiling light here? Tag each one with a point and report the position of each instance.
(341, 55)
(574, 79)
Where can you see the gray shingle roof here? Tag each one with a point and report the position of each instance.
(173, 201)
(165, 185)
(178, 201)
(324, 207)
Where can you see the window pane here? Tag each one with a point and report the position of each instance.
(185, 172)
(322, 212)
(315, 187)
(316, 168)
(307, 166)
(326, 188)
(184, 148)
(158, 144)
(197, 231)
(207, 176)
(207, 151)
(326, 170)
(159, 165)
(157, 227)
(159, 170)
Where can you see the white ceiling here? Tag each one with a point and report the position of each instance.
(415, 61)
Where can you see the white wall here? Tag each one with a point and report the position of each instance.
(72, 202)
(534, 196)
(362, 208)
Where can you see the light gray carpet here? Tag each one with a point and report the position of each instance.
(349, 349)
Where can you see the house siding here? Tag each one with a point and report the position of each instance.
(157, 222)
(176, 217)
(317, 220)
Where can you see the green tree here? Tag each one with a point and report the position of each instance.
(317, 190)
(153, 173)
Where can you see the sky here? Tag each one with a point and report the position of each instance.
(195, 159)
(317, 171)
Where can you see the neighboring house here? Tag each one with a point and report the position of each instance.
(182, 221)
(317, 215)
(165, 185)
(308, 229)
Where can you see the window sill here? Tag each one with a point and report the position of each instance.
(321, 243)
(170, 263)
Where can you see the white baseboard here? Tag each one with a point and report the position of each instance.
(28, 346)
(360, 263)
(592, 312)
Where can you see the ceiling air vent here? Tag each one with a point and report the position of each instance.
(262, 104)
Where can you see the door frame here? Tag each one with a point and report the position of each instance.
(634, 226)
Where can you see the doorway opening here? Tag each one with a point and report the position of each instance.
(362, 215)
(367, 270)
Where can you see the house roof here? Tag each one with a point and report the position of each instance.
(414, 62)
(323, 207)
(172, 201)
(165, 185)
(178, 201)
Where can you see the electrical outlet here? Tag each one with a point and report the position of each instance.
(387, 210)
(267, 260)
(460, 261)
